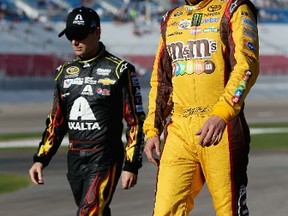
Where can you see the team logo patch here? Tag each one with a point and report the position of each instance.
(79, 20)
(72, 70)
(249, 22)
(103, 92)
(194, 49)
(190, 67)
(184, 24)
(250, 33)
(178, 13)
(195, 31)
(211, 20)
(214, 8)
(196, 19)
(103, 71)
(106, 81)
(210, 29)
(250, 45)
(238, 93)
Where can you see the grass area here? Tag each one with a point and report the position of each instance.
(20, 136)
(269, 141)
(10, 183)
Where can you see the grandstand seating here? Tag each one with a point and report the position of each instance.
(273, 64)
(35, 41)
(30, 65)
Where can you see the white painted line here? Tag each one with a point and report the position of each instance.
(35, 142)
(268, 130)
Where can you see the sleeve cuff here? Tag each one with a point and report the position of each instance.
(44, 161)
(132, 167)
(150, 134)
(224, 112)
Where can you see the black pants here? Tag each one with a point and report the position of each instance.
(93, 175)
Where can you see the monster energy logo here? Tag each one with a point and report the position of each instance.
(196, 20)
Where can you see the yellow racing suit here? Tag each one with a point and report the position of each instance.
(206, 63)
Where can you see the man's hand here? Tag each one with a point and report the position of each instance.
(129, 179)
(153, 143)
(212, 131)
(36, 173)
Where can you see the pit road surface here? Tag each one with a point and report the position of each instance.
(267, 190)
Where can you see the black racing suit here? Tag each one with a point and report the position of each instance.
(91, 99)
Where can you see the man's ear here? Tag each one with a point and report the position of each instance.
(98, 30)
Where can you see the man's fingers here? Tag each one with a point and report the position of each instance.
(36, 174)
(206, 142)
(218, 138)
(36, 179)
(211, 139)
(153, 161)
(202, 140)
(33, 176)
(40, 177)
(40, 181)
(129, 180)
(128, 185)
(124, 185)
(149, 155)
(153, 144)
(158, 150)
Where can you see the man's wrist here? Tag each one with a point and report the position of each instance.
(151, 134)
(152, 137)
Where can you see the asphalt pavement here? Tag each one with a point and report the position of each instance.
(267, 189)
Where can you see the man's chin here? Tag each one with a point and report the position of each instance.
(78, 52)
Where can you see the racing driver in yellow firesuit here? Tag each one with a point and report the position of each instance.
(206, 63)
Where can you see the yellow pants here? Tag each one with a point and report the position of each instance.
(185, 166)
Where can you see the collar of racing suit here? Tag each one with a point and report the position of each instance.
(200, 5)
(101, 51)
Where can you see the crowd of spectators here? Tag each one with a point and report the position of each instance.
(269, 4)
(272, 11)
(143, 13)
(9, 11)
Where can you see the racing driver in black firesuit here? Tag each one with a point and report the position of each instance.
(93, 94)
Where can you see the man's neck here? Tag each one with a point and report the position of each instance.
(94, 53)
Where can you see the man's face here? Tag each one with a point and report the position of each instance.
(86, 48)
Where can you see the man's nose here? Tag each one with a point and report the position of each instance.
(75, 42)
